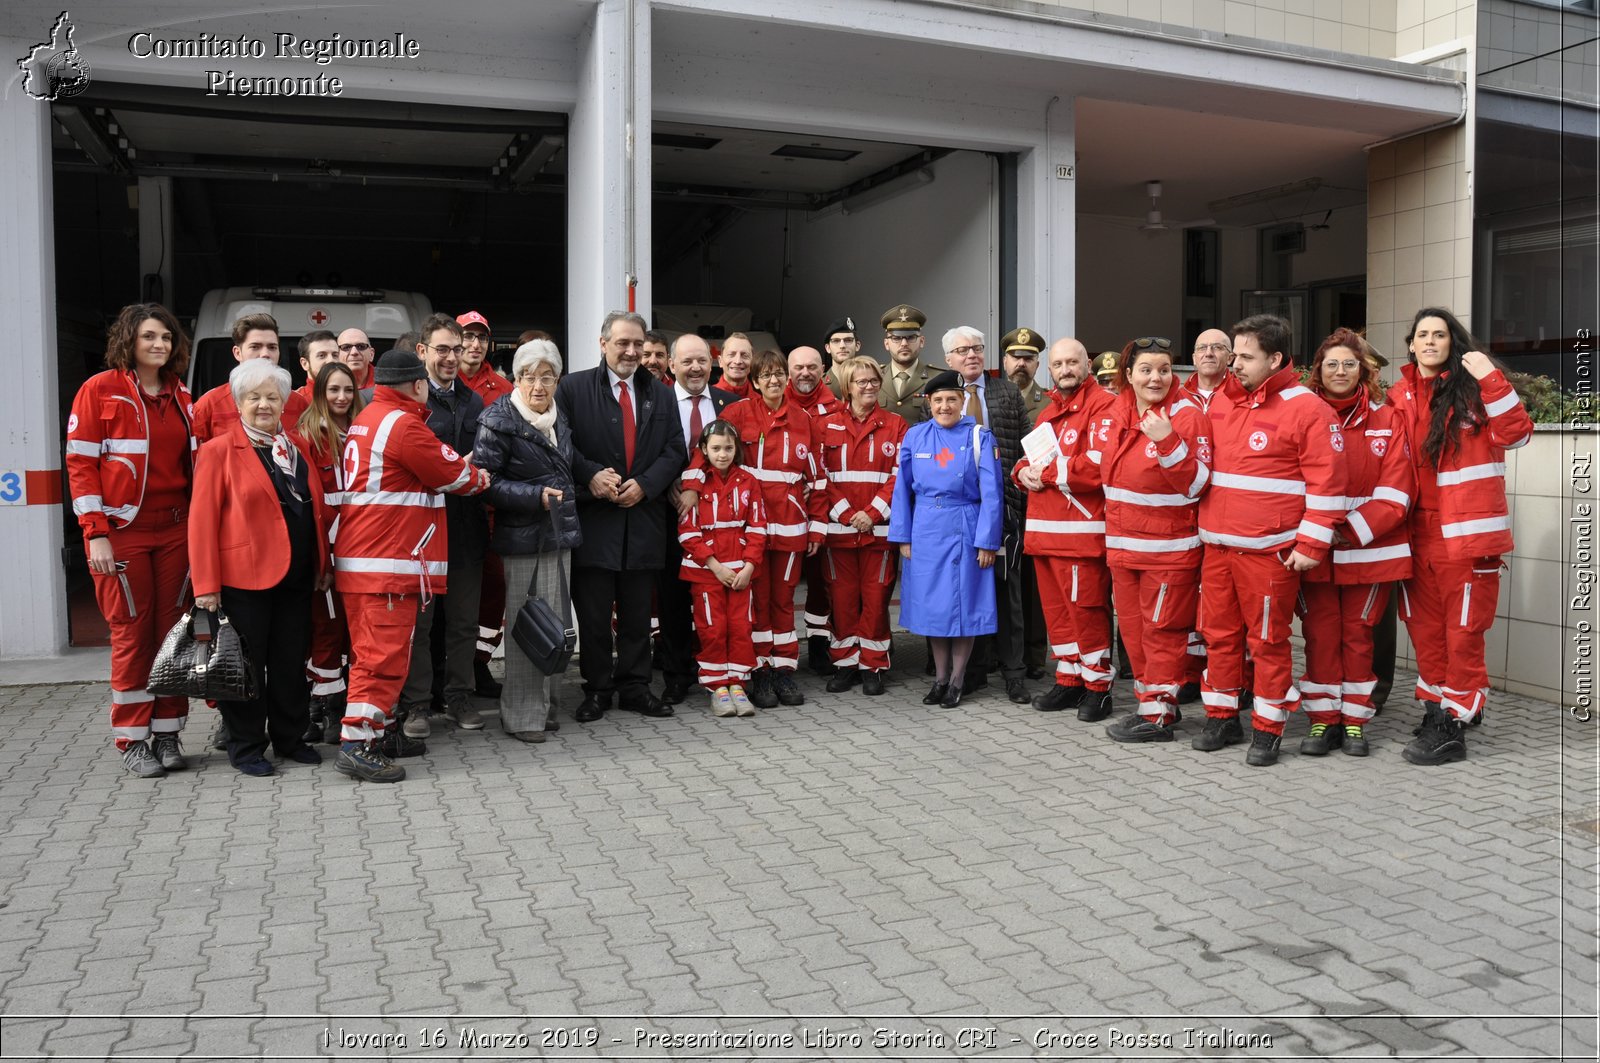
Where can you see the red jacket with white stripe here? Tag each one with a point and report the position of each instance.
(1471, 481)
(728, 522)
(330, 472)
(862, 459)
(1278, 479)
(1152, 490)
(108, 447)
(391, 537)
(780, 452)
(1378, 483)
(1068, 517)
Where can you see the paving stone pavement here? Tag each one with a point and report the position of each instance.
(856, 877)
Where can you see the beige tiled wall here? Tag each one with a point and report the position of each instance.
(1420, 24)
(1419, 233)
(1530, 647)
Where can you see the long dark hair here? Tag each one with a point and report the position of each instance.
(1457, 402)
(316, 424)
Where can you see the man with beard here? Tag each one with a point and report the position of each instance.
(906, 373)
(1066, 537)
(806, 391)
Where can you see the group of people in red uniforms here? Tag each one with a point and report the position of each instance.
(1232, 502)
(1202, 513)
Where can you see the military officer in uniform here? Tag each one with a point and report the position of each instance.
(1105, 369)
(839, 344)
(906, 374)
(1020, 349)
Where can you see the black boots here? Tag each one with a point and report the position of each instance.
(1440, 740)
(1219, 731)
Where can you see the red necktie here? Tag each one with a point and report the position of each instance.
(695, 422)
(628, 428)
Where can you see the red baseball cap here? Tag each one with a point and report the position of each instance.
(472, 317)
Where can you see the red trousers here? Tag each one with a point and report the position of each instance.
(1195, 667)
(1337, 625)
(1447, 606)
(772, 594)
(860, 580)
(818, 609)
(722, 620)
(1075, 594)
(1248, 600)
(491, 606)
(330, 644)
(141, 603)
(381, 628)
(1155, 610)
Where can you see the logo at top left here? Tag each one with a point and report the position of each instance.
(55, 69)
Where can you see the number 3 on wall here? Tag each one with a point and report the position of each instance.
(11, 493)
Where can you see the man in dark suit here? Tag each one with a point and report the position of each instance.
(627, 454)
(998, 406)
(696, 404)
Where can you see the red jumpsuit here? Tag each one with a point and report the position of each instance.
(778, 451)
(390, 549)
(216, 410)
(861, 458)
(330, 634)
(728, 524)
(1152, 492)
(1065, 536)
(1277, 485)
(1223, 399)
(1344, 597)
(490, 386)
(1459, 528)
(130, 464)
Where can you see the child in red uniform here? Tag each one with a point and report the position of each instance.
(724, 536)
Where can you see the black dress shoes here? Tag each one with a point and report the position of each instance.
(952, 695)
(676, 693)
(648, 705)
(935, 694)
(593, 708)
(872, 684)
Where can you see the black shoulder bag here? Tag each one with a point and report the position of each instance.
(539, 631)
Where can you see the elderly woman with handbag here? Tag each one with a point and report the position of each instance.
(527, 449)
(258, 547)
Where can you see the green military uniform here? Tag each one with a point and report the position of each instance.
(1029, 340)
(1105, 369)
(904, 397)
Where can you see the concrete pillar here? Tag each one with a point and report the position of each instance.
(33, 594)
(156, 229)
(1047, 230)
(608, 176)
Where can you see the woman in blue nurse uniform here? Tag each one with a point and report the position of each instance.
(948, 503)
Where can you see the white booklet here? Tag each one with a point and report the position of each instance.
(1039, 446)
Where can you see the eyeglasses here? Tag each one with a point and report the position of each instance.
(1342, 367)
(346, 348)
(544, 380)
(869, 382)
(476, 337)
(1145, 343)
(441, 350)
(1220, 348)
(772, 374)
(914, 337)
(971, 348)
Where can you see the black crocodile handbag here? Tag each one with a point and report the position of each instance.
(203, 657)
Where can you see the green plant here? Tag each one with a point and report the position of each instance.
(1543, 398)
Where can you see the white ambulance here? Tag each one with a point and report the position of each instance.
(383, 314)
